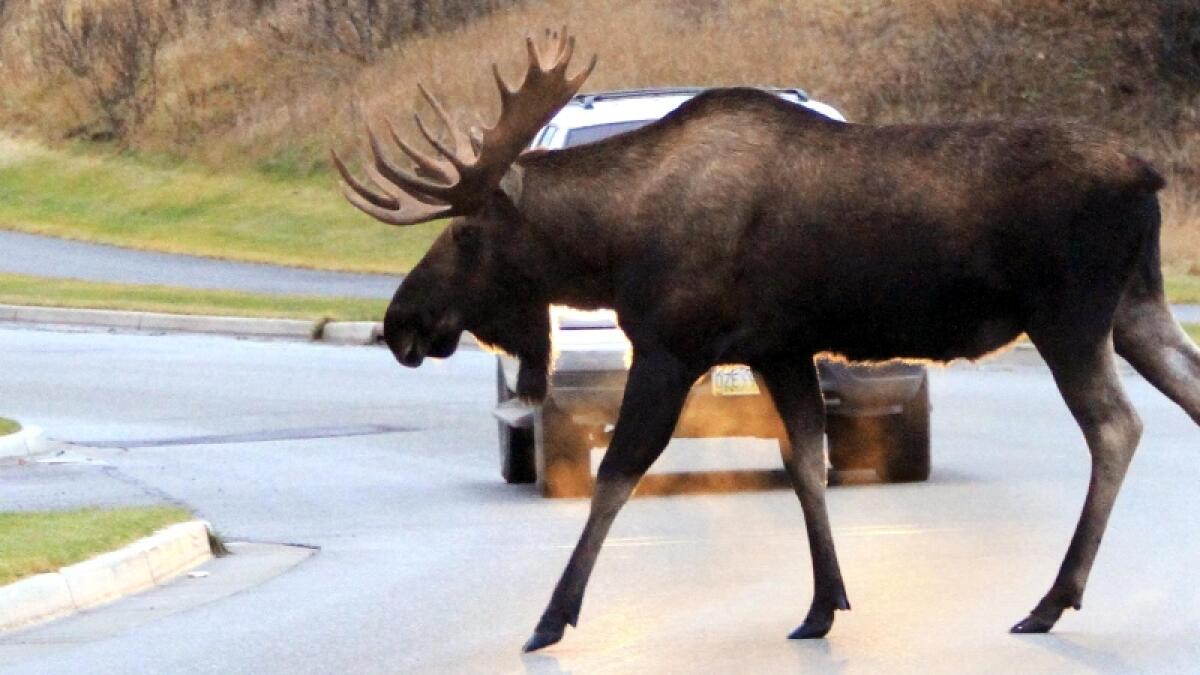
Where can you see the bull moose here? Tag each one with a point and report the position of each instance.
(744, 229)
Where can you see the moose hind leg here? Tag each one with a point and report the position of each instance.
(797, 394)
(654, 395)
(1088, 381)
(1149, 337)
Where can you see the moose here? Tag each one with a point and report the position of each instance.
(745, 229)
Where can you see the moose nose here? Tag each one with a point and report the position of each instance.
(404, 339)
(408, 350)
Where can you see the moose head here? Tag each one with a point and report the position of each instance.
(477, 276)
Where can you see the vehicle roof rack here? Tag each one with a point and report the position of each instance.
(589, 100)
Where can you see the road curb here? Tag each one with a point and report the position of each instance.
(333, 332)
(352, 332)
(28, 441)
(371, 333)
(152, 561)
(155, 321)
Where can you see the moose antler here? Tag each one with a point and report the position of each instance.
(467, 169)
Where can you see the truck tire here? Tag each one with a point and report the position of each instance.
(564, 461)
(895, 446)
(517, 463)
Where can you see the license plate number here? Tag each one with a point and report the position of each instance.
(734, 381)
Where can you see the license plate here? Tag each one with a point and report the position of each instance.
(733, 381)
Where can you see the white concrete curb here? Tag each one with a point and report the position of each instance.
(28, 441)
(371, 333)
(290, 328)
(153, 321)
(148, 562)
(333, 332)
(352, 332)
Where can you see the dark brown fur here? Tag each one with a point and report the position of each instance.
(744, 229)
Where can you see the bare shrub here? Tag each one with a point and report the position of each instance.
(362, 29)
(696, 12)
(112, 49)
(358, 29)
(205, 15)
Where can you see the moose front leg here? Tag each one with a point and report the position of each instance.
(797, 394)
(657, 387)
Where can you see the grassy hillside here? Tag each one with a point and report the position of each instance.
(239, 214)
(266, 86)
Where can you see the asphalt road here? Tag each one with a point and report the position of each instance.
(52, 257)
(429, 563)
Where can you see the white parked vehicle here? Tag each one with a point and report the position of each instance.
(877, 417)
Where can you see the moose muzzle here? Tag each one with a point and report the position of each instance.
(412, 338)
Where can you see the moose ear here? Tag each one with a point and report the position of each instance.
(512, 183)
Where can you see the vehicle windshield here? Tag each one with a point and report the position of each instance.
(599, 132)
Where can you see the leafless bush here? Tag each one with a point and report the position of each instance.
(207, 14)
(111, 49)
(362, 29)
(696, 12)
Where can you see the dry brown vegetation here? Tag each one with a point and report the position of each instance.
(273, 83)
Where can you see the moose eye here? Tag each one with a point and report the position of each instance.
(467, 236)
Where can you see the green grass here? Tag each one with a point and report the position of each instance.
(26, 290)
(151, 203)
(8, 426)
(44, 541)
(1182, 288)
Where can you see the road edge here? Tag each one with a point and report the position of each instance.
(27, 441)
(144, 564)
(332, 332)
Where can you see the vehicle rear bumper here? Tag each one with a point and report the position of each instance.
(590, 385)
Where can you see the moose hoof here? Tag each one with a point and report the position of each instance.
(542, 638)
(1032, 624)
(811, 629)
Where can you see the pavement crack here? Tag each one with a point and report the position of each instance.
(147, 489)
